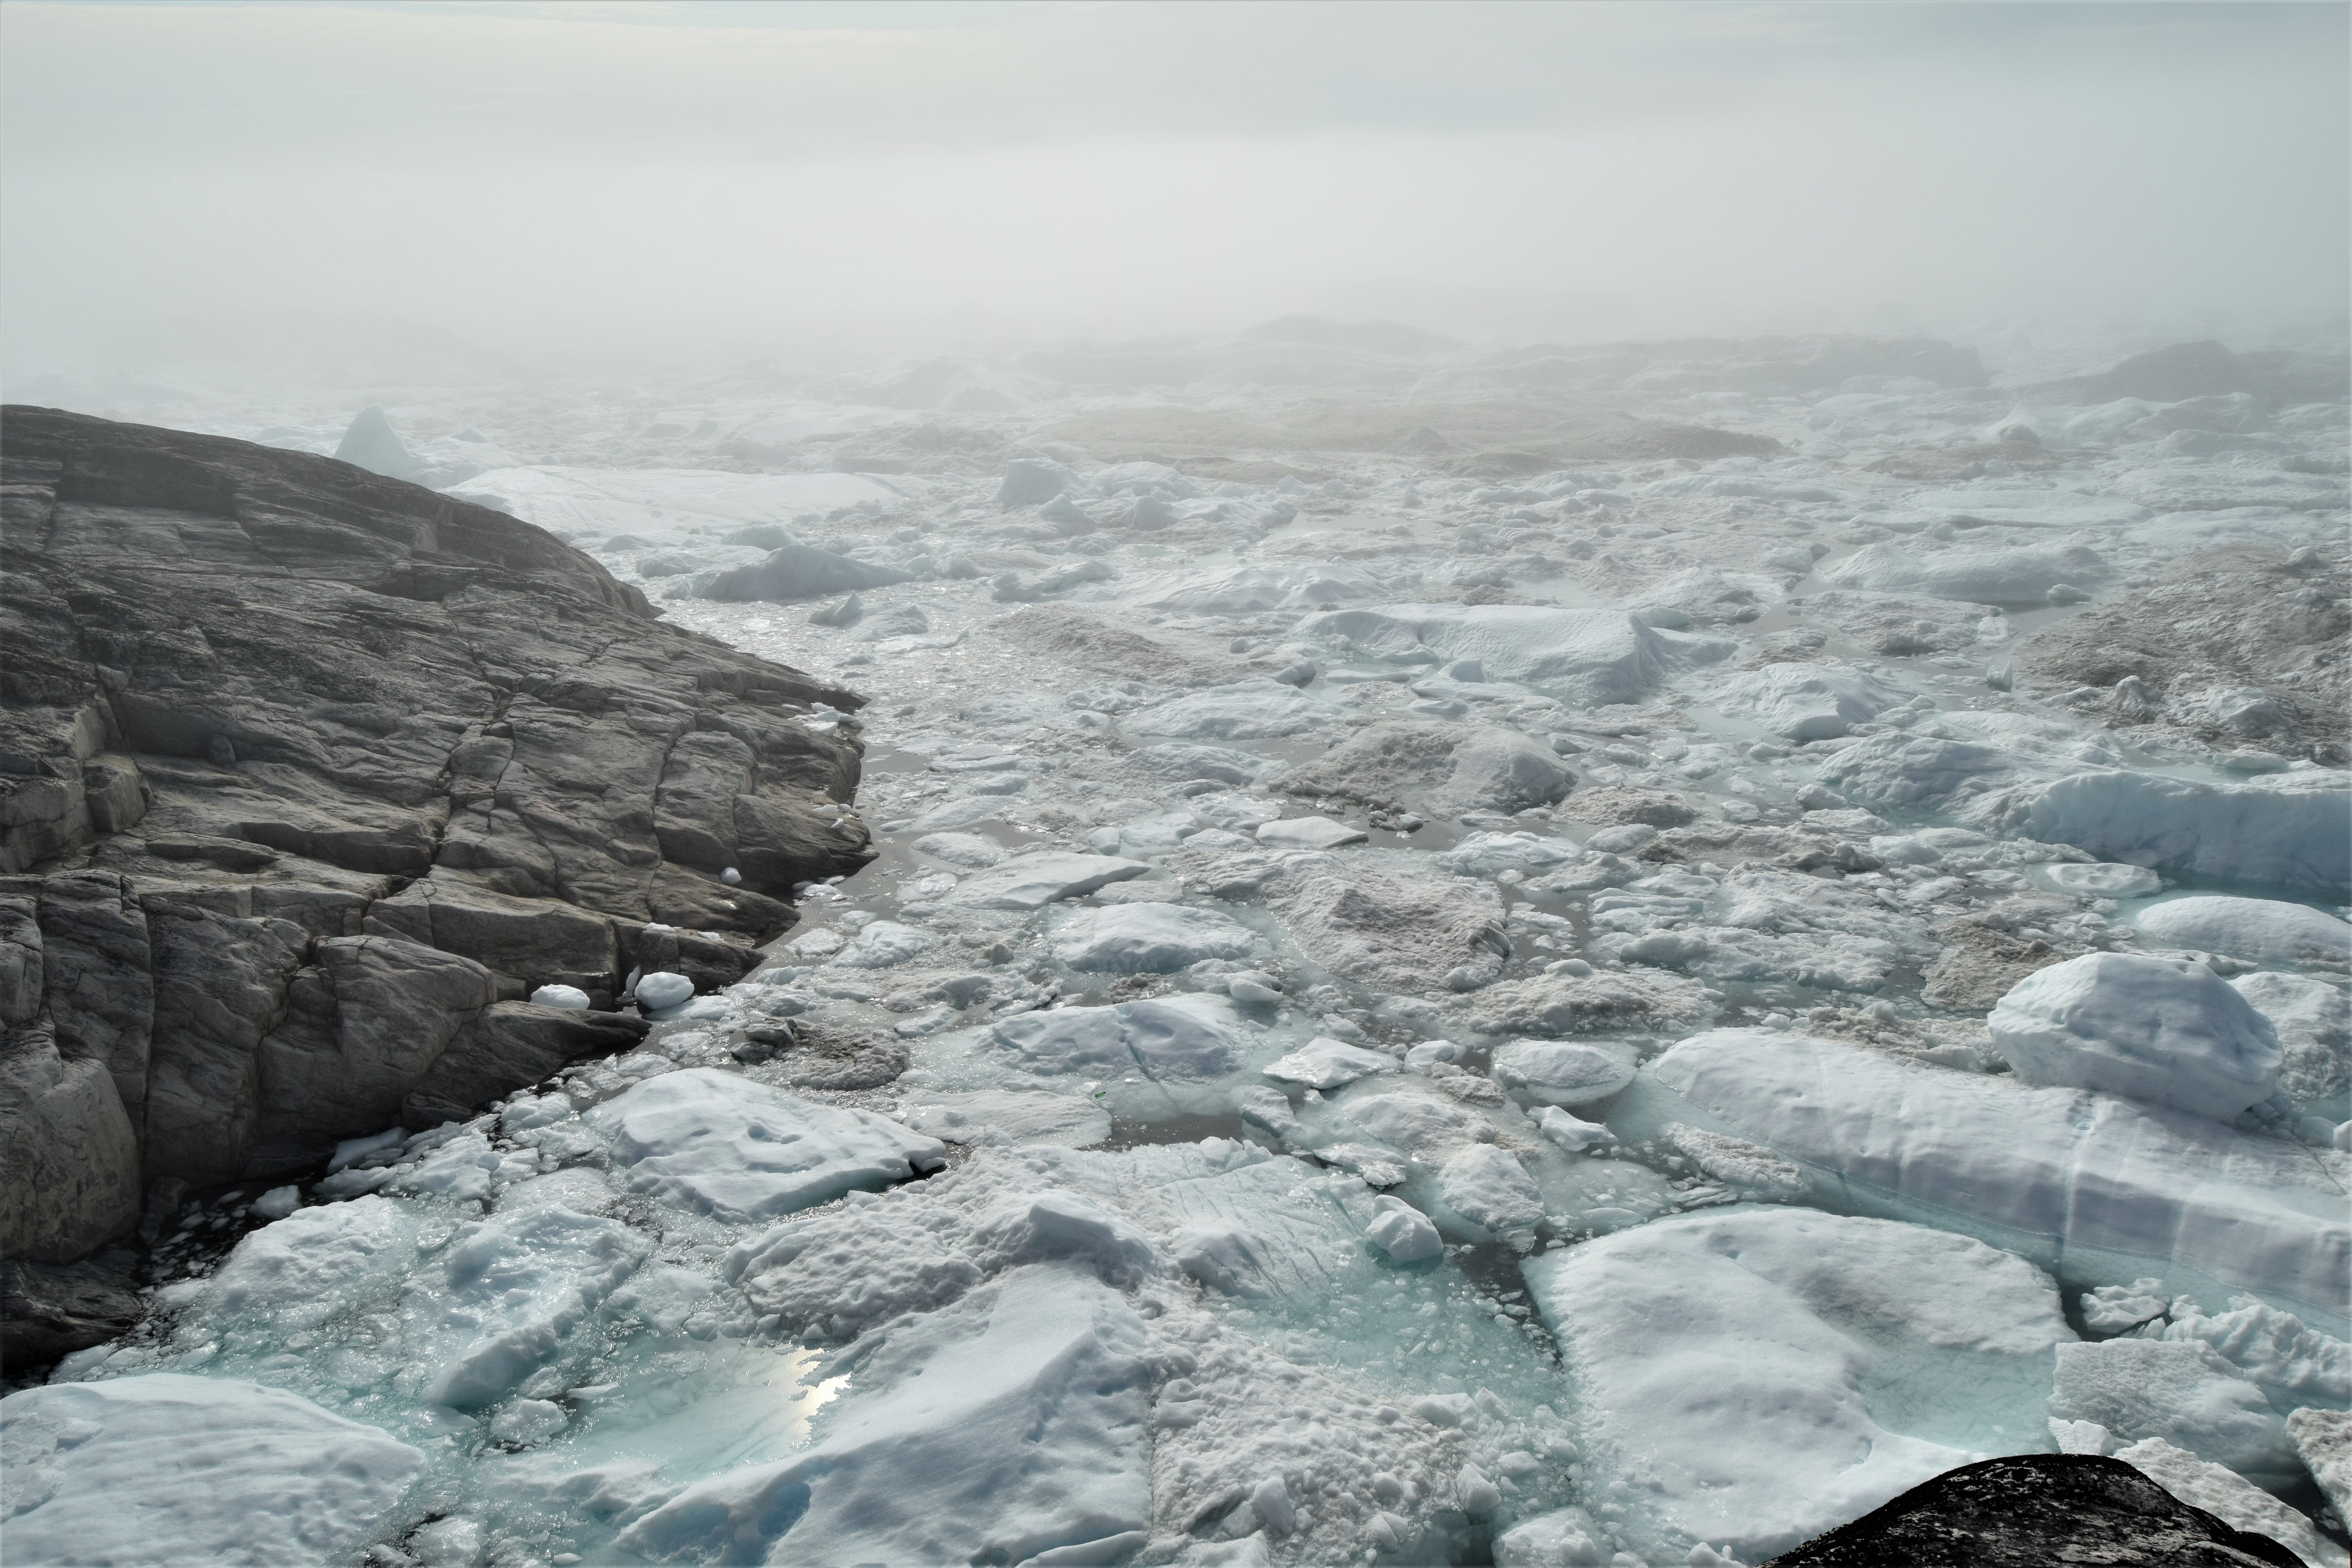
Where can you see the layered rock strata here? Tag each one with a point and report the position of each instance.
(310, 777)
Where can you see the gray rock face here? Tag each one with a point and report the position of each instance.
(2035, 1509)
(307, 777)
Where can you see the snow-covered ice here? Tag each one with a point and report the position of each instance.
(2165, 1031)
(1422, 992)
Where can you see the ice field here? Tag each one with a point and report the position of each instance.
(1551, 957)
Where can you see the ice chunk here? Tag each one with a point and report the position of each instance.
(2292, 830)
(1565, 1538)
(2104, 879)
(569, 997)
(884, 944)
(663, 989)
(511, 1292)
(2106, 1184)
(1417, 1123)
(2323, 1440)
(1007, 1116)
(297, 1272)
(372, 444)
(1573, 1133)
(1736, 1161)
(799, 572)
(2250, 928)
(2295, 1365)
(2112, 1309)
(2165, 1031)
(1148, 939)
(170, 1469)
(1397, 932)
(1567, 1003)
(1191, 1036)
(970, 850)
(1489, 1187)
(1599, 655)
(1029, 480)
(2230, 1498)
(1326, 1064)
(1809, 701)
(1403, 1232)
(1445, 768)
(1251, 588)
(2180, 1391)
(1042, 877)
(1247, 709)
(2022, 575)
(723, 1144)
(1483, 854)
(1308, 833)
(1756, 1376)
(1553, 1072)
(2313, 1020)
(1011, 1423)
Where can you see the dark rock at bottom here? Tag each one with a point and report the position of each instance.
(2032, 1511)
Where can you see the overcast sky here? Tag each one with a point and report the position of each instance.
(689, 180)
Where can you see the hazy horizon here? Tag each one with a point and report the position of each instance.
(562, 186)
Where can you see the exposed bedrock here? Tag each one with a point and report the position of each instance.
(2032, 1509)
(309, 778)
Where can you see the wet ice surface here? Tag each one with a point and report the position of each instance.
(1445, 1018)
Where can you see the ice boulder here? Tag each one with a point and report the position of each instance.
(1403, 1232)
(1327, 1064)
(1758, 1376)
(2020, 574)
(721, 1143)
(1245, 711)
(2261, 929)
(1431, 765)
(1010, 1427)
(2161, 1030)
(1809, 701)
(662, 989)
(2180, 1391)
(372, 444)
(2103, 879)
(2109, 1189)
(1148, 939)
(1597, 656)
(1489, 1187)
(570, 998)
(1043, 876)
(884, 944)
(1030, 481)
(1557, 1072)
(170, 1469)
(2313, 1020)
(799, 572)
(2291, 830)
(1192, 1036)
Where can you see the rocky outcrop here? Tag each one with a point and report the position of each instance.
(2036, 1509)
(309, 777)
